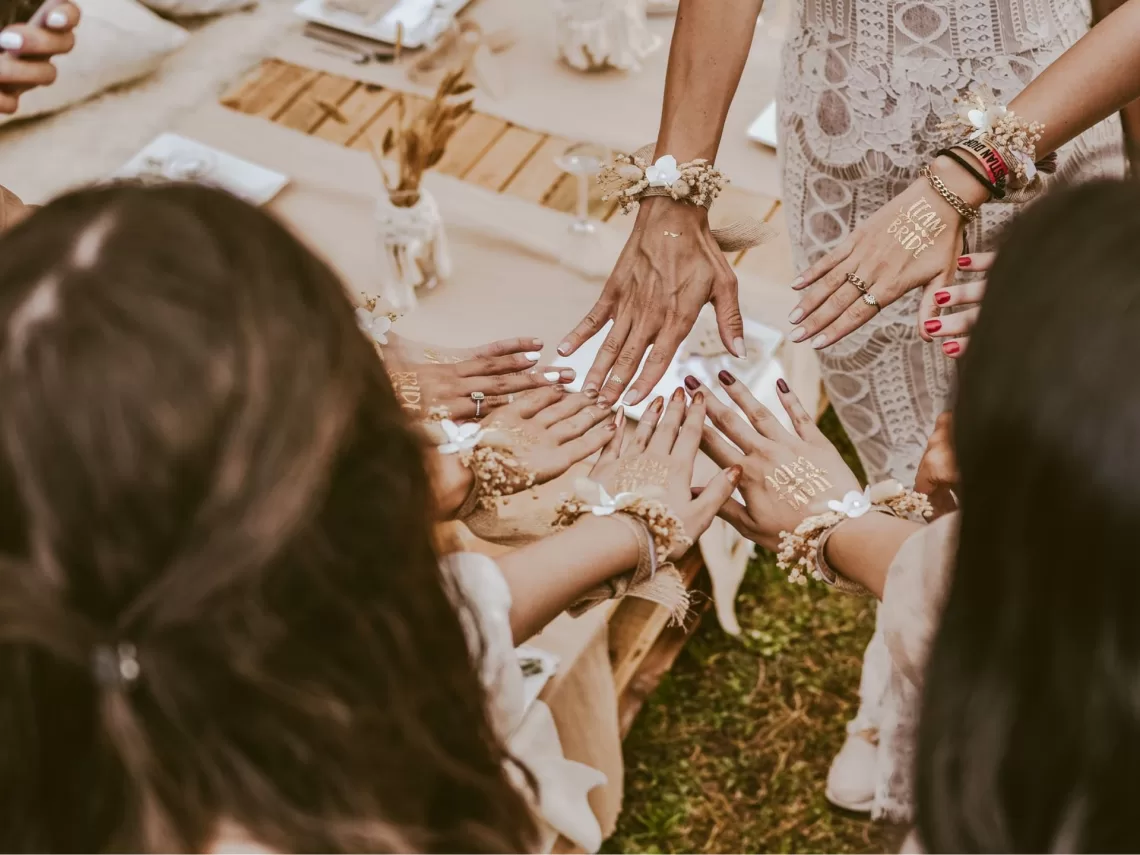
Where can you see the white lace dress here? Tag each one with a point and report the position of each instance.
(864, 84)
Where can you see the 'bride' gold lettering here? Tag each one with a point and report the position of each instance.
(916, 227)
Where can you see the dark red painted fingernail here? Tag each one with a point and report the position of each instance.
(726, 378)
(942, 297)
(933, 325)
(782, 386)
(692, 383)
(964, 261)
(951, 348)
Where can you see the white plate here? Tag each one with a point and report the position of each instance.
(422, 20)
(763, 130)
(178, 158)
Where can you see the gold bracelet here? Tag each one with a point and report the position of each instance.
(956, 202)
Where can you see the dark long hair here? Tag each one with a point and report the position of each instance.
(1030, 730)
(202, 457)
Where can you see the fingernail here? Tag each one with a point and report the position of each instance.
(794, 317)
(942, 297)
(567, 374)
(11, 41)
(533, 355)
(782, 386)
(798, 334)
(550, 376)
(632, 397)
(819, 341)
(951, 348)
(658, 402)
(796, 283)
(964, 261)
(739, 348)
(619, 419)
(933, 325)
(699, 398)
(603, 404)
(678, 394)
(692, 383)
(726, 378)
(564, 348)
(57, 19)
(536, 343)
(734, 473)
(590, 390)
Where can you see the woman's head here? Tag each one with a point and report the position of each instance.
(201, 456)
(1030, 733)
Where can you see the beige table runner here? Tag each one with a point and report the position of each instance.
(617, 109)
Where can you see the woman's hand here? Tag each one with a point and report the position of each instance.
(472, 387)
(786, 477)
(954, 330)
(547, 431)
(881, 253)
(661, 455)
(406, 350)
(670, 267)
(938, 470)
(27, 52)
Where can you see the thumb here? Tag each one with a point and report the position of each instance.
(712, 497)
(726, 302)
(927, 308)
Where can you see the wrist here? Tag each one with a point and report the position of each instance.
(621, 539)
(960, 182)
(454, 484)
(663, 211)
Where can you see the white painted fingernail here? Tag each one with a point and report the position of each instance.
(533, 355)
(794, 317)
(551, 376)
(57, 19)
(564, 348)
(740, 348)
(11, 41)
(797, 282)
(798, 334)
(819, 341)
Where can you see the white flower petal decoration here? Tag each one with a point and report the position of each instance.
(602, 504)
(853, 505)
(459, 437)
(664, 172)
(376, 326)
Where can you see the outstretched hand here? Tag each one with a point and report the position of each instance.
(670, 267)
(27, 50)
(953, 330)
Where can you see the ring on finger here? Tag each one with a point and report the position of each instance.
(859, 283)
(477, 398)
(870, 300)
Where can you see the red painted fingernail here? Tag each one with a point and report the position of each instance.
(678, 394)
(726, 378)
(782, 386)
(699, 398)
(692, 383)
(942, 297)
(964, 261)
(951, 348)
(734, 474)
(933, 325)
(658, 402)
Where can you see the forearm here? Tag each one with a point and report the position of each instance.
(1096, 77)
(710, 46)
(547, 576)
(862, 549)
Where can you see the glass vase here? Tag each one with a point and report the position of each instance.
(412, 247)
(595, 35)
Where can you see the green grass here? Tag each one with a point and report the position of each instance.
(731, 753)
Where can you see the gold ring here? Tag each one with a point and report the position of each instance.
(870, 300)
(859, 283)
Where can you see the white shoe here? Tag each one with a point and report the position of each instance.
(851, 780)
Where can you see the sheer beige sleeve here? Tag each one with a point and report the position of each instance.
(916, 587)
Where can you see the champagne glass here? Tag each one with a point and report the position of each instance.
(583, 161)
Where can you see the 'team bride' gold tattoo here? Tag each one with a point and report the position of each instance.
(798, 483)
(916, 227)
(407, 386)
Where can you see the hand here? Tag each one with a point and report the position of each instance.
(662, 454)
(938, 470)
(547, 431)
(500, 371)
(773, 460)
(954, 330)
(653, 297)
(833, 307)
(25, 62)
(407, 350)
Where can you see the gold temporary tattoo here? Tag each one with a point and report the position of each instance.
(640, 472)
(916, 227)
(496, 435)
(407, 386)
(798, 483)
(432, 356)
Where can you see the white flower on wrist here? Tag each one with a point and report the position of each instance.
(852, 505)
(375, 325)
(459, 437)
(601, 503)
(663, 173)
(985, 120)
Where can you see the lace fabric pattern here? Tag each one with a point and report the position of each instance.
(864, 85)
